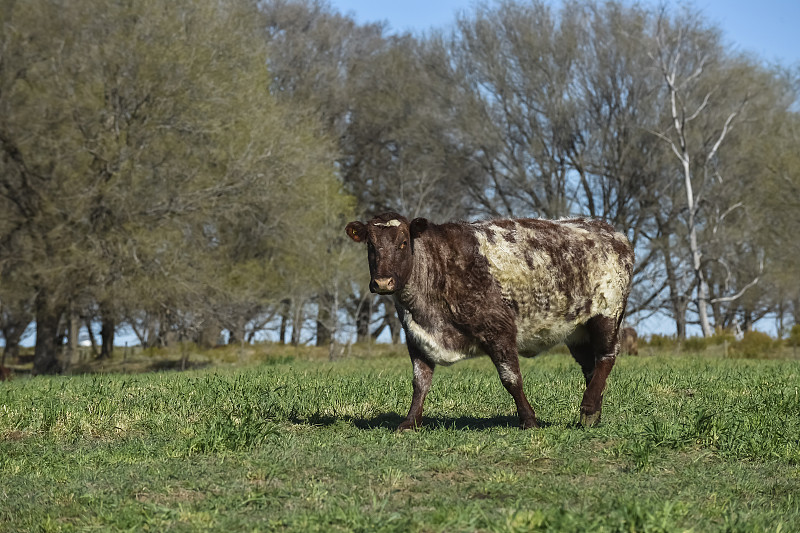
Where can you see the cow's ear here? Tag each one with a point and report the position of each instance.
(356, 231)
(418, 227)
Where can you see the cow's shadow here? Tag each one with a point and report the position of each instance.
(390, 421)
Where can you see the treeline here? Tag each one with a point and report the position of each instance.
(186, 169)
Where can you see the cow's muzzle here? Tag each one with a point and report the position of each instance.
(382, 285)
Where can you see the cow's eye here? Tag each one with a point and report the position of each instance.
(403, 244)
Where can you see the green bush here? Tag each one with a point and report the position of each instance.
(721, 336)
(663, 342)
(695, 344)
(754, 345)
(794, 336)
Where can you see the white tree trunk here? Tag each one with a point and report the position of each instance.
(679, 144)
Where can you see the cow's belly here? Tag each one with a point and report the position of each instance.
(533, 342)
(433, 346)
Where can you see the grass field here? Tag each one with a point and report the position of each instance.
(687, 443)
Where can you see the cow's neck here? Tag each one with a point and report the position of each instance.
(423, 288)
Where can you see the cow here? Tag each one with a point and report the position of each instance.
(502, 288)
(629, 341)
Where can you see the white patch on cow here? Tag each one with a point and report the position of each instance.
(390, 224)
(548, 313)
(506, 373)
(431, 346)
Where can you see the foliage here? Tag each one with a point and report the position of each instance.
(659, 342)
(794, 336)
(186, 170)
(686, 443)
(148, 168)
(754, 344)
(695, 344)
(722, 337)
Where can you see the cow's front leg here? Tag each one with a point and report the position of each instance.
(507, 365)
(423, 375)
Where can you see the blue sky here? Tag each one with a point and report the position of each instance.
(768, 28)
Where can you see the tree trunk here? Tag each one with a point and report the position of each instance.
(334, 325)
(145, 330)
(297, 322)
(73, 328)
(395, 327)
(166, 336)
(363, 316)
(697, 255)
(92, 340)
(747, 320)
(391, 319)
(323, 320)
(702, 304)
(719, 317)
(236, 334)
(10, 350)
(12, 334)
(107, 338)
(676, 297)
(46, 352)
(285, 304)
(780, 314)
(209, 334)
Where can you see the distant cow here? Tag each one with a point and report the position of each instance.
(629, 341)
(502, 288)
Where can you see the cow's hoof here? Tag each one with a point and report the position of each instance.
(407, 426)
(590, 419)
(529, 424)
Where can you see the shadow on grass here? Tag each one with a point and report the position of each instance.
(138, 366)
(176, 364)
(390, 421)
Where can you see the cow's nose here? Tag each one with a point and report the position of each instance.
(383, 285)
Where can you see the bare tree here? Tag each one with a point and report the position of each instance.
(701, 116)
(516, 63)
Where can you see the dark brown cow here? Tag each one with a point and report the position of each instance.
(629, 341)
(502, 288)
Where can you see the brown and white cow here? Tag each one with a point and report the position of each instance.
(502, 288)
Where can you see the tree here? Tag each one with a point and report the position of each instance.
(707, 93)
(516, 64)
(15, 317)
(386, 100)
(775, 165)
(139, 141)
(594, 109)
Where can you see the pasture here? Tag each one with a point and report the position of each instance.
(688, 443)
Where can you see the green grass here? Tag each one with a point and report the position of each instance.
(687, 444)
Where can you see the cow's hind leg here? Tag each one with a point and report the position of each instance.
(596, 355)
(507, 364)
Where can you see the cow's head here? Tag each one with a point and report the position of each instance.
(389, 239)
